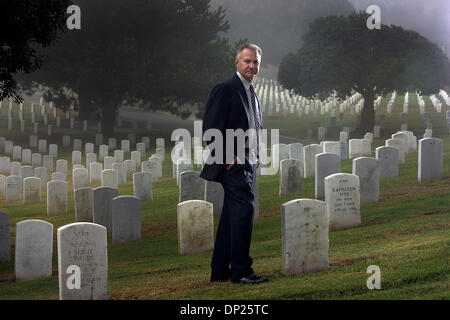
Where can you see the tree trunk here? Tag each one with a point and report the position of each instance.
(367, 115)
(84, 108)
(108, 122)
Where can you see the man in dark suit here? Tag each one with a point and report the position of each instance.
(233, 105)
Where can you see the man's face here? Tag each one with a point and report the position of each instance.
(248, 64)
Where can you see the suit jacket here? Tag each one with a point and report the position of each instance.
(227, 108)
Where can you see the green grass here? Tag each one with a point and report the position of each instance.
(406, 234)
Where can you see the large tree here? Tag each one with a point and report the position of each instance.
(24, 26)
(340, 53)
(159, 54)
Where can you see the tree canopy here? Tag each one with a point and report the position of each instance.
(159, 54)
(24, 26)
(339, 53)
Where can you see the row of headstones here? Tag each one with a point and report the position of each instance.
(15, 188)
(120, 215)
(44, 118)
(35, 159)
(192, 187)
(272, 95)
(7, 146)
(305, 225)
(82, 256)
(343, 193)
(365, 169)
(369, 170)
(82, 246)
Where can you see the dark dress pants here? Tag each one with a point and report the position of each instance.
(234, 232)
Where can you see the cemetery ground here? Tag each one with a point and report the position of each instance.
(405, 233)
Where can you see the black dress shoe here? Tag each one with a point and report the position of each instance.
(253, 279)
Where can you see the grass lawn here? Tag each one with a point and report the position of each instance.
(406, 234)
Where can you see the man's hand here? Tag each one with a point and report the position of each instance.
(236, 159)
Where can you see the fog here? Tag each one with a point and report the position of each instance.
(431, 18)
(276, 25)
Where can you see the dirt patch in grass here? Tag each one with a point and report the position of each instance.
(412, 190)
(158, 229)
(133, 294)
(430, 227)
(349, 261)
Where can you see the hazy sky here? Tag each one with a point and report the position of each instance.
(431, 18)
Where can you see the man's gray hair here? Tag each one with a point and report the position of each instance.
(250, 46)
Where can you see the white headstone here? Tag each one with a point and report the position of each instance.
(26, 156)
(58, 176)
(31, 190)
(84, 204)
(130, 166)
(110, 178)
(332, 147)
(107, 162)
(326, 164)
(121, 170)
(13, 188)
(125, 146)
(15, 168)
(342, 196)
(90, 157)
(126, 219)
(76, 157)
(190, 186)
(291, 173)
(80, 178)
(42, 146)
(118, 156)
(355, 148)
(89, 148)
(397, 144)
(36, 160)
(368, 170)
(103, 152)
(95, 173)
(103, 206)
(309, 159)
(296, 151)
(77, 144)
(26, 171)
(34, 249)
(304, 229)
(41, 173)
(195, 225)
(112, 142)
(5, 165)
(430, 162)
(83, 245)
(53, 150)
(56, 197)
(388, 157)
(61, 166)
(136, 156)
(142, 186)
(17, 153)
(47, 162)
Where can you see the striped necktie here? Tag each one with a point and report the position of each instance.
(255, 118)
